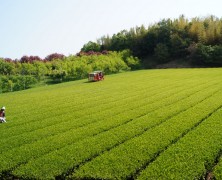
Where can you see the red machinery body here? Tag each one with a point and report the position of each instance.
(96, 76)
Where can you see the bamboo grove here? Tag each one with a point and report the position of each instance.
(198, 40)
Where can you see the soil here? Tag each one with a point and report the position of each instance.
(150, 63)
(175, 64)
(209, 176)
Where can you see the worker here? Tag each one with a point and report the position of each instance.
(2, 115)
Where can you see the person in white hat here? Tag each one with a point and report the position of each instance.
(2, 115)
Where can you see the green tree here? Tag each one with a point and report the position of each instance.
(204, 54)
(10, 85)
(40, 70)
(91, 46)
(162, 53)
(217, 55)
(27, 69)
(6, 68)
(177, 46)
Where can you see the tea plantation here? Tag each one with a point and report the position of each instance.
(148, 124)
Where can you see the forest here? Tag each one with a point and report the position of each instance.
(197, 40)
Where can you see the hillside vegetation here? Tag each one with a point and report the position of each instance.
(197, 40)
(156, 124)
(32, 71)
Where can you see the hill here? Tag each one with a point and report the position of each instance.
(153, 124)
(197, 40)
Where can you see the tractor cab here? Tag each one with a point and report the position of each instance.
(96, 76)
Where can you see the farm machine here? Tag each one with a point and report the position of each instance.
(96, 76)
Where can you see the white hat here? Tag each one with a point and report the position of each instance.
(3, 107)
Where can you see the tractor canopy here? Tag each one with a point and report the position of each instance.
(96, 76)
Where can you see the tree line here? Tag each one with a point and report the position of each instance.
(30, 70)
(198, 39)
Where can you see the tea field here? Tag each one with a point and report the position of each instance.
(147, 124)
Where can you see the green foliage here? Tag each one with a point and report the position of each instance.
(114, 129)
(130, 60)
(133, 62)
(217, 55)
(177, 35)
(207, 54)
(6, 68)
(217, 171)
(178, 46)
(16, 83)
(91, 46)
(40, 70)
(79, 67)
(65, 69)
(204, 53)
(193, 155)
(162, 53)
(125, 160)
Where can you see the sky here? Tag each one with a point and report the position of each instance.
(43, 27)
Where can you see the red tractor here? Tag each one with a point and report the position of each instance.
(96, 76)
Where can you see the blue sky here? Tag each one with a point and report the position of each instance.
(43, 27)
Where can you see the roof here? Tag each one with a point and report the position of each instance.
(95, 72)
